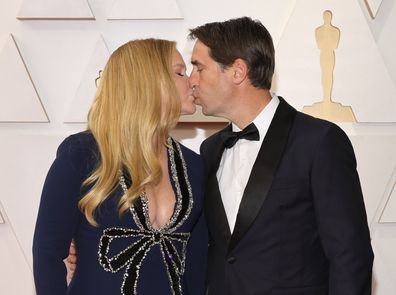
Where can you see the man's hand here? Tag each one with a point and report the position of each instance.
(71, 261)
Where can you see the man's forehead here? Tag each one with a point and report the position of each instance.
(200, 47)
(200, 53)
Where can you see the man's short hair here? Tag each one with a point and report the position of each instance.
(240, 38)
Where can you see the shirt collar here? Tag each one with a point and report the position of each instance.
(264, 118)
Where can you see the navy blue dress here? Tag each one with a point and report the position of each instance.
(124, 254)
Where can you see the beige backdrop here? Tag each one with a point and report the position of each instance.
(51, 52)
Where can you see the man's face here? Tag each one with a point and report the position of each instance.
(211, 83)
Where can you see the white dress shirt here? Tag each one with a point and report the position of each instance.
(237, 162)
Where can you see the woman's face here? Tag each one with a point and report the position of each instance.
(181, 80)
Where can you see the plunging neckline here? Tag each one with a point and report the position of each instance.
(146, 202)
(171, 241)
(178, 177)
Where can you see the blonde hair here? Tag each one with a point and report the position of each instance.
(135, 106)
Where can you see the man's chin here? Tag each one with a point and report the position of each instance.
(205, 112)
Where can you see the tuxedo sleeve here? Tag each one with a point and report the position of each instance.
(341, 215)
(56, 221)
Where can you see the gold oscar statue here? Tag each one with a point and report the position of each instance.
(327, 39)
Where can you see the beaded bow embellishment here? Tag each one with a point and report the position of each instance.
(169, 241)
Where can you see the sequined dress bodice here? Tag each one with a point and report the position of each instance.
(172, 244)
(124, 254)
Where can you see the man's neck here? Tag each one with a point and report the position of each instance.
(248, 106)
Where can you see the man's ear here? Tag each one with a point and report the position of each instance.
(240, 70)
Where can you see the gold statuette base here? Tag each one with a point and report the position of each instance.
(331, 111)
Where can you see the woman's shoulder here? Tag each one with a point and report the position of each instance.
(193, 161)
(79, 142)
(80, 150)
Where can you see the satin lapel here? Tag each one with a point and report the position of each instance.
(263, 170)
(214, 208)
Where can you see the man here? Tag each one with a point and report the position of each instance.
(284, 205)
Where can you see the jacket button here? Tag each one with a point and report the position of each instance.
(231, 260)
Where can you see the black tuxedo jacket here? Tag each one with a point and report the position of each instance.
(301, 227)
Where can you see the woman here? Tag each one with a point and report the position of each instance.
(128, 194)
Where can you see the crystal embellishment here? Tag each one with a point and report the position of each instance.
(132, 257)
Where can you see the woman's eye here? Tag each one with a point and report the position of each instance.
(180, 74)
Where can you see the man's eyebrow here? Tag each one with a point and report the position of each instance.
(195, 62)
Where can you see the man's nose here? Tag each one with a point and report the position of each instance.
(192, 80)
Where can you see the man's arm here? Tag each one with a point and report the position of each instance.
(341, 215)
(71, 261)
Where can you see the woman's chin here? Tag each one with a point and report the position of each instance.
(189, 111)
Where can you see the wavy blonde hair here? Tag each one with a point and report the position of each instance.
(135, 106)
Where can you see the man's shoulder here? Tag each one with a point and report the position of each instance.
(307, 122)
(315, 127)
(211, 141)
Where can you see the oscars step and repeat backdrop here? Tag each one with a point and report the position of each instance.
(335, 60)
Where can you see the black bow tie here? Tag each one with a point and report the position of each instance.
(230, 138)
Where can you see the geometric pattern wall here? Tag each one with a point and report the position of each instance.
(15, 275)
(55, 9)
(152, 9)
(86, 90)
(388, 213)
(30, 155)
(376, 166)
(373, 6)
(384, 271)
(48, 71)
(357, 60)
(19, 101)
(2, 220)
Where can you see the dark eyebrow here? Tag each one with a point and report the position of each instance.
(195, 62)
